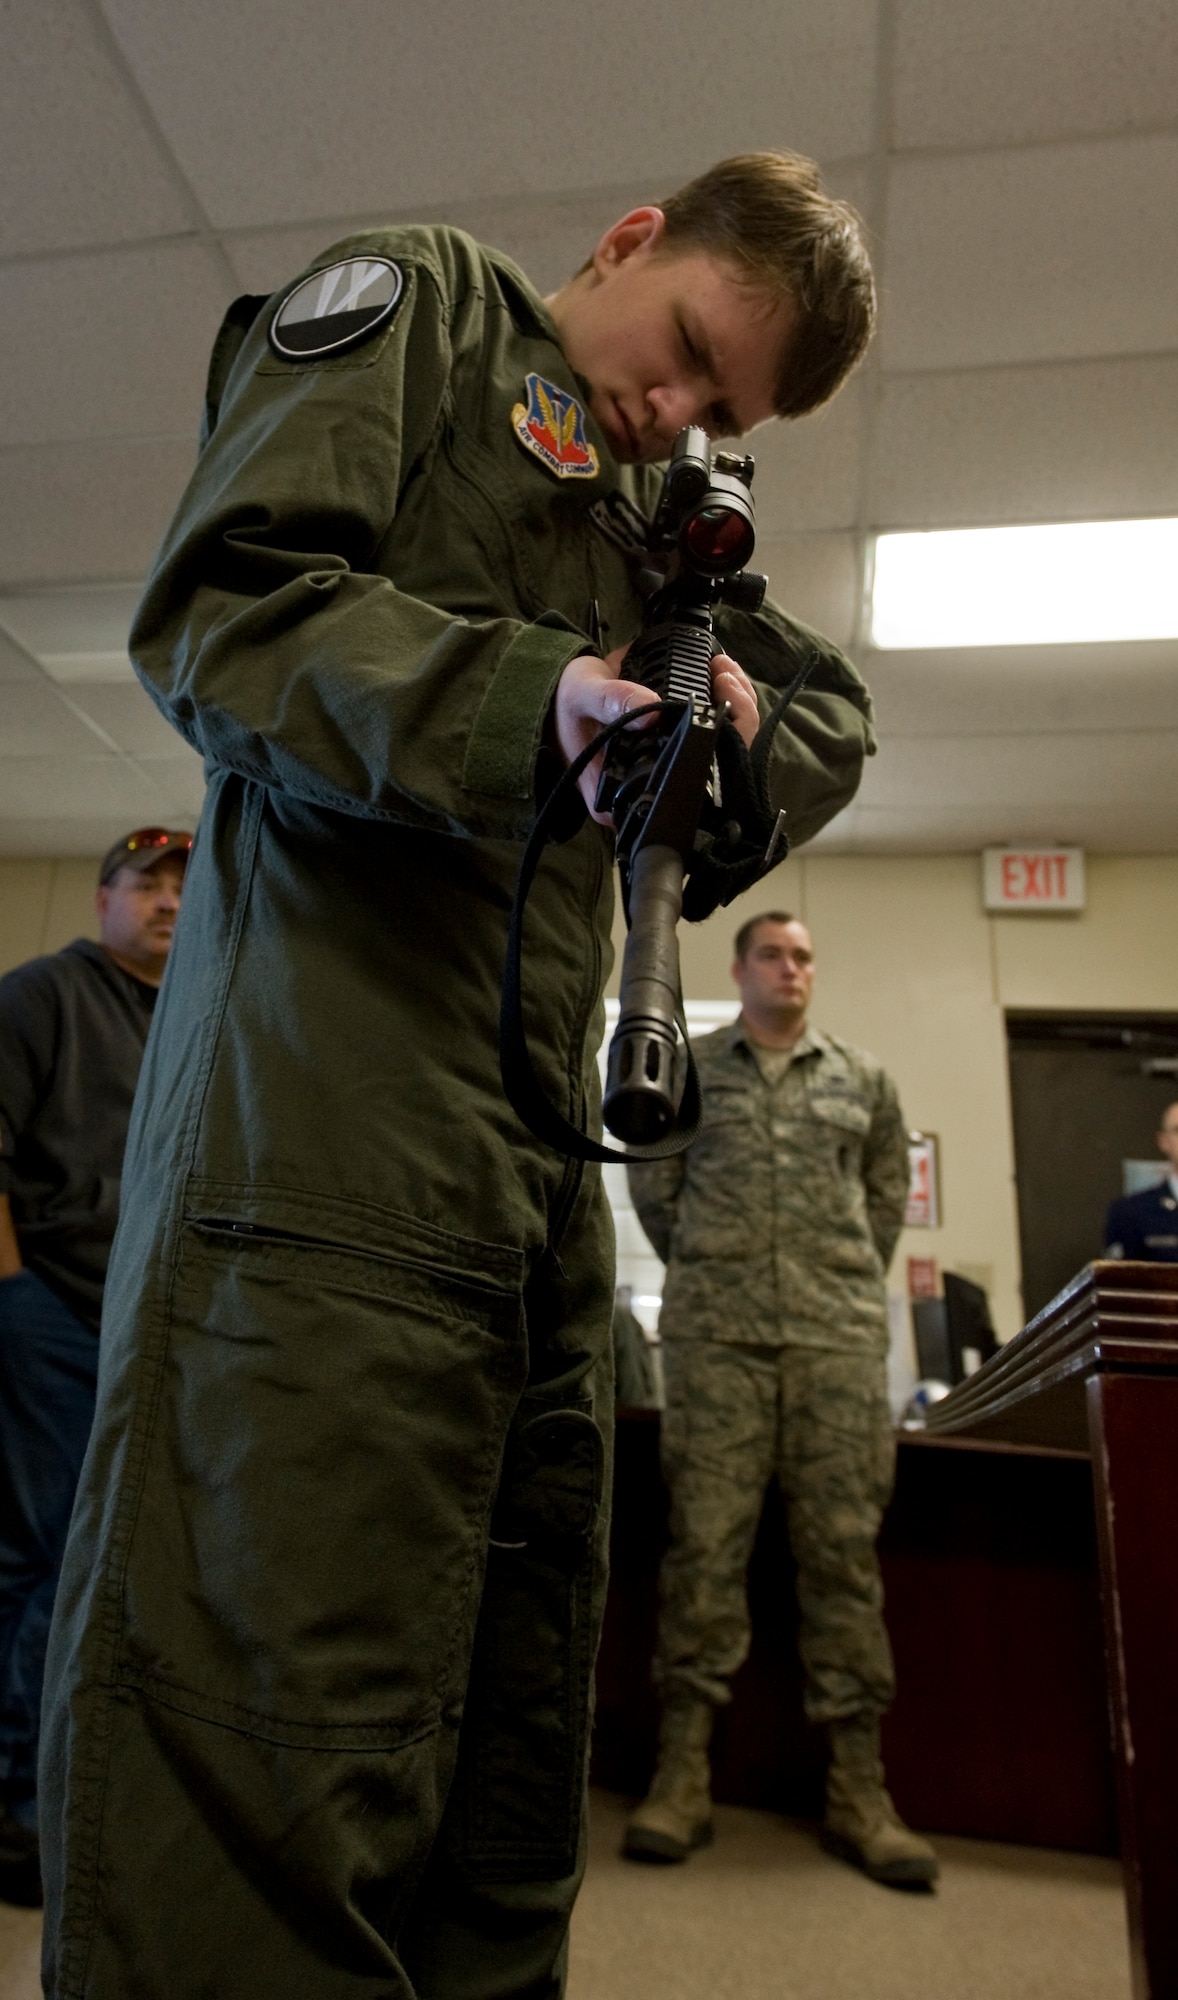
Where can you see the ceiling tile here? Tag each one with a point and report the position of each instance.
(1028, 325)
(74, 788)
(1014, 771)
(1071, 441)
(363, 107)
(76, 162)
(808, 469)
(90, 510)
(1048, 254)
(178, 782)
(816, 577)
(129, 716)
(96, 346)
(94, 619)
(853, 181)
(913, 828)
(15, 665)
(267, 260)
(71, 670)
(549, 236)
(35, 722)
(1018, 70)
(1025, 691)
(36, 834)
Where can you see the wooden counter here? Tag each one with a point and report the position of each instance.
(999, 1729)
(1097, 1370)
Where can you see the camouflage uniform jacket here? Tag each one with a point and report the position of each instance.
(779, 1223)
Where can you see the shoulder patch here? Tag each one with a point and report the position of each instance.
(336, 308)
(551, 426)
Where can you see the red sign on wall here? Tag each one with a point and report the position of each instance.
(1033, 879)
(923, 1210)
(923, 1278)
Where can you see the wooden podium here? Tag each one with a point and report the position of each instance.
(1097, 1370)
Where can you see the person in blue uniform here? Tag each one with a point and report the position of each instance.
(1145, 1225)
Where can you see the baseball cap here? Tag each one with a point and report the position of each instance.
(142, 849)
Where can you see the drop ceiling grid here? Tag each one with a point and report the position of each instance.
(156, 158)
(369, 107)
(77, 164)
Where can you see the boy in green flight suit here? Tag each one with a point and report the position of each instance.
(321, 1669)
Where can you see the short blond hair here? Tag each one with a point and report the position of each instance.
(769, 216)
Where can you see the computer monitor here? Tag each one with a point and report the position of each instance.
(945, 1328)
(934, 1362)
(967, 1322)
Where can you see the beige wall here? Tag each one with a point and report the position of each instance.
(43, 904)
(911, 967)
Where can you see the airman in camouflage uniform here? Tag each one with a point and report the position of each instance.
(776, 1229)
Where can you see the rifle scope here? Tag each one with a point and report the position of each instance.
(661, 785)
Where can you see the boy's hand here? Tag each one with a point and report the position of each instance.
(591, 692)
(730, 683)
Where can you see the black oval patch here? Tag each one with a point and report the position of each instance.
(336, 308)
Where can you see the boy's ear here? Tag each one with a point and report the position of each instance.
(642, 230)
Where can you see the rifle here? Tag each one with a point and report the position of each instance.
(690, 804)
(664, 788)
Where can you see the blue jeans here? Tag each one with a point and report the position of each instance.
(48, 1366)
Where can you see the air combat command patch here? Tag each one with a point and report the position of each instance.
(552, 428)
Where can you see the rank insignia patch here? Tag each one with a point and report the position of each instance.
(334, 309)
(552, 428)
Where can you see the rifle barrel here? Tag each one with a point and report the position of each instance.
(640, 1093)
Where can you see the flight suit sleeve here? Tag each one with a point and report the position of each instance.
(885, 1170)
(826, 733)
(654, 1190)
(272, 634)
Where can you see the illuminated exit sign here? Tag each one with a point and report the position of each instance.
(1034, 880)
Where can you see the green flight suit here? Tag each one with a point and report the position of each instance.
(322, 1662)
(777, 1228)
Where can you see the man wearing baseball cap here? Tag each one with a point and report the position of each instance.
(72, 1031)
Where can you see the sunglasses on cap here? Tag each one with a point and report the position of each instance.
(156, 836)
(141, 848)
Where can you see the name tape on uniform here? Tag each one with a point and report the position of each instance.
(336, 308)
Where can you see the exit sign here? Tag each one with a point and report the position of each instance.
(1033, 879)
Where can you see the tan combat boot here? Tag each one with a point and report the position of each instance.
(862, 1825)
(676, 1815)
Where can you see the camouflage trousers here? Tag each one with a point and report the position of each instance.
(819, 1422)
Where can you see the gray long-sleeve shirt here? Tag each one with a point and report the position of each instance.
(72, 1031)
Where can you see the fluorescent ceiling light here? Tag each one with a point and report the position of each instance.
(1065, 585)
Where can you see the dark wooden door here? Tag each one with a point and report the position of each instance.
(1087, 1091)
